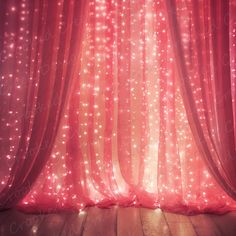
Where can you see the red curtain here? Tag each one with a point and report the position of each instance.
(207, 80)
(140, 113)
(38, 44)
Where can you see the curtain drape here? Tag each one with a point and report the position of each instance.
(138, 110)
(207, 80)
(40, 43)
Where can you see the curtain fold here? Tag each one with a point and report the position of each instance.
(49, 61)
(203, 62)
(117, 102)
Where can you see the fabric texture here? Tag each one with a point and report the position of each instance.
(118, 102)
(37, 64)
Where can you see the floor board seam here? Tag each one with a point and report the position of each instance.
(141, 220)
(63, 226)
(194, 228)
(167, 223)
(217, 226)
(116, 218)
(83, 223)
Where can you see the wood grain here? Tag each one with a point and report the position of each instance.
(74, 224)
(52, 225)
(129, 222)
(226, 223)
(20, 224)
(100, 222)
(204, 225)
(179, 225)
(154, 223)
(116, 221)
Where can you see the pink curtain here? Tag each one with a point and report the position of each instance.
(207, 77)
(142, 108)
(39, 40)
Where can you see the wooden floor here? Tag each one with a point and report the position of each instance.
(116, 221)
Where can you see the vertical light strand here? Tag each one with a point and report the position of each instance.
(123, 67)
(109, 96)
(144, 106)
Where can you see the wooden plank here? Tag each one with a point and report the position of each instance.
(18, 223)
(154, 223)
(129, 222)
(52, 224)
(100, 222)
(204, 225)
(179, 225)
(4, 216)
(74, 224)
(226, 223)
(5, 219)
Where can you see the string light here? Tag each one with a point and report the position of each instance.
(125, 124)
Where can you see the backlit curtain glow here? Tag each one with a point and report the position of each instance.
(125, 135)
(207, 87)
